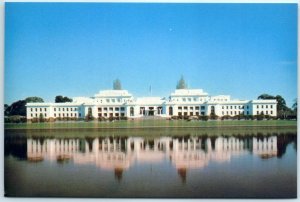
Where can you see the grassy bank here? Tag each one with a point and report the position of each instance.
(152, 124)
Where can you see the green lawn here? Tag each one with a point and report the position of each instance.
(153, 124)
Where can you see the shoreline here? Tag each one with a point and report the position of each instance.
(162, 127)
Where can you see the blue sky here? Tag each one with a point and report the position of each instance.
(77, 49)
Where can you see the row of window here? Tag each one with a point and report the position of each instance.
(65, 109)
(235, 107)
(262, 106)
(189, 99)
(190, 113)
(264, 113)
(67, 115)
(191, 108)
(38, 115)
(113, 100)
(100, 109)
(235, 113)
(111, 114)
(38, 109)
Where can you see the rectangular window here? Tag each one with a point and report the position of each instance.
(30, 109)
(266, 112)
(271, 106)
(257, 106)
(202, 107)
(111, 109)
(271, 111)
(180, 108)
(183, 99)
(63, 109)
(257, 112)
(267, 106)
(234, 107)
(184, 107)
(122, 108)
(99, 109)
(116, 114)
(71, 109)
(40, 109)
(197, 108)
(75, 109)
(185, 113)
(31, 115)
(247, 106)
(247, 112)
(36, 109)
(179, 113)
(231, 112)
(202, 113)
(122, 114)
(71, 114)
(54, 114)
(191, 114)
(197, 113)
(105, 108)
(99, 114)
(230, 107)
(67, 109)
(117, 108)
(191, 108)
(45, 115)
(58, 109)
(262, 106)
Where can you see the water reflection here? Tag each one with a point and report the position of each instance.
(119, 153)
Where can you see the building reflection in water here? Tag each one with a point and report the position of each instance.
(118, 154)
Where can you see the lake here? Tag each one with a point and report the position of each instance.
(172, 163)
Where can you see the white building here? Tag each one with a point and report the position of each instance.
(120, 103)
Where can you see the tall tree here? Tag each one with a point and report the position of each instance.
(181, 84)
(117, 85)
(282, 109)
(61, 99)
(34, 99)
(16, 108)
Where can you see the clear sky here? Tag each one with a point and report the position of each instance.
(77, 49)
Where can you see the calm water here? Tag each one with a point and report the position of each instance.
(189, 164)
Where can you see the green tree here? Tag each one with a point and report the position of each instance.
(266, 97)
(16, 108)
(181, 84)
(34, 99)
(117, 85)
(282, 109)
(61, 99)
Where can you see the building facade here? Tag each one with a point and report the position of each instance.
(120, 103)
